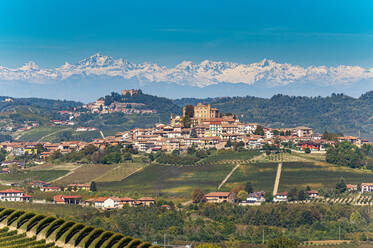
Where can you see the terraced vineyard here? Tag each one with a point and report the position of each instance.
(20, 229)
(358, 200)
(13, 239)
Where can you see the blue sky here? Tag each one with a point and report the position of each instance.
(317, 32)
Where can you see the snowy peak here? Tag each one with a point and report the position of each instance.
(31, 65)
(203, 74)
(97, 60)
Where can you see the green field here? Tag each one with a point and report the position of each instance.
(179, 181)
(170, 181)
(40, 133)
(44, 175)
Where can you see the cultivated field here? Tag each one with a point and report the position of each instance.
(120, 172)
(29, 175)
(171, 181)
(85, 173)
(179, 181)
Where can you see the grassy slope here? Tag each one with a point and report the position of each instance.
(171, 180)
(44, 175)
(179, 182)
(86, 173)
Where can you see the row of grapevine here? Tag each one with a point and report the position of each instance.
(13, 239)
(361, 200)
(28, 229)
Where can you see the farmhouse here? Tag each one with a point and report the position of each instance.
(39, 184)
(219, 197)
(67, 199)
(313, 193)
(366, 187)
(281, 197)
(255, 198)
(145, 201)
(351, 187)
(50, 189)
(13, 195)
(77, 187)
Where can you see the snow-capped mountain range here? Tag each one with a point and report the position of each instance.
(187, 73)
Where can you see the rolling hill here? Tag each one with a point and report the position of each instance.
(335, 113)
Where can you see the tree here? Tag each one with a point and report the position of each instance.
(249, 187)
(127, 156)
(341, 187)
(293, 194)
(2, 155)
(282, 242)
(193, 133)
(237, 189)
(188, 115)
(259, 130)
(268, 197)
(93, 186)
(229, 143)
(189, 111)
(301, 195)
(242, 195)
(198, 195)
(207, 246)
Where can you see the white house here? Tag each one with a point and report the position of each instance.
(111, 202)
(256, 198)
(13, 195)
(281, 197)
(366, 187)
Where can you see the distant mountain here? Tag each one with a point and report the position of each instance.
(99, 73)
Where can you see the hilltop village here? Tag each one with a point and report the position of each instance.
(200, 126)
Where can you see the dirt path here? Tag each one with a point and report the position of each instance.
(228, 176)
(50, 134)
(277, 180)
(66, 175)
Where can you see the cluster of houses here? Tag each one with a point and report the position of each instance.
(107, 203)
(207, 128)
(104, 203)
(14, 195)
(257, 198)
(46, 187)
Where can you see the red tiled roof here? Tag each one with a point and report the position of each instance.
(71, 196)
(145, 199)
(58, 198)
(126, 199)
(282, 194)
(101, 199)
(11, 191)
(218, 194)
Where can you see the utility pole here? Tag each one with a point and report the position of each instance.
(263, 236)
(339, 232)
(164, 240)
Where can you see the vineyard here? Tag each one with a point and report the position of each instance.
(20, 229)
(357, 200)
